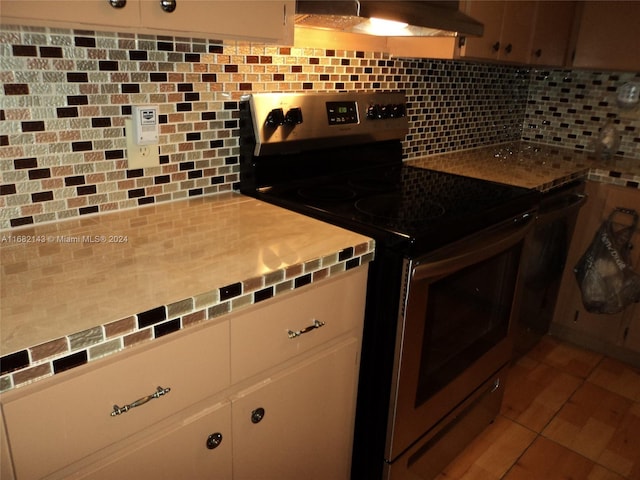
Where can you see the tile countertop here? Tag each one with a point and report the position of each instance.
(84, 288)
(532, 165)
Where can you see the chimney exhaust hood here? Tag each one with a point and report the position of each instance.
(427, 18)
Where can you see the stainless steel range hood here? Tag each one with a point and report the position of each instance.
(404, 18)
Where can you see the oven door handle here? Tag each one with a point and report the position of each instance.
(475, 249)
(574, 202)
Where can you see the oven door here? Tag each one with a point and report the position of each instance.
(453, 328)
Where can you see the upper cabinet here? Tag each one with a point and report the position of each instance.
(258, 20)
(554, 22)
(270, 20)
(608, 36)
(529, 32)
(523, 32)
(508, 28)
(114, 13)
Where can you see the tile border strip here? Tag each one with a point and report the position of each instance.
(614, 177)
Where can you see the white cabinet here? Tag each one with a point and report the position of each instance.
(257, 20)
(305, 433)
(6, 469)
(219, 373)
(80, 13)
(293, 416)
(262, 20)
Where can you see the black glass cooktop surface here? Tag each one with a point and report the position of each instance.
(403, 205)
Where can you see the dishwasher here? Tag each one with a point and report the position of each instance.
(545, 257)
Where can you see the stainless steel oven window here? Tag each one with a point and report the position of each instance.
(467, 314)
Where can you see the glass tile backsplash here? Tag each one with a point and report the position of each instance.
(67, 93)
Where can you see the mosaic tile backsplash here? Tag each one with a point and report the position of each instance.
(67, 93)
(569, 107)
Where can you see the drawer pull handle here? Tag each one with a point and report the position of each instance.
(496, 385)
(316, 324)
(141, 401)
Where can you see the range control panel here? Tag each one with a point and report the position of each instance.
(340, 113)
(292, 122)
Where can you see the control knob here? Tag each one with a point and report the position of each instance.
(275, 118)
(380, 112)
(293, 116)
(396, 111)
(375, 112)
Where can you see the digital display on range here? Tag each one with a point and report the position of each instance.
(341, 113)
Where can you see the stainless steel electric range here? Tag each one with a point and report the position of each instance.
(445, 282)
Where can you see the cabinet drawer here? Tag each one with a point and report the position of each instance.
(52, 424)
(260, 338)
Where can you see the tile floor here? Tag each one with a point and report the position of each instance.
(568, 413)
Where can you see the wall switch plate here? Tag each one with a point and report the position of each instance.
(139, 156)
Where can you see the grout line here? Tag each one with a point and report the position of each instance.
(506, 473)
(582, 381)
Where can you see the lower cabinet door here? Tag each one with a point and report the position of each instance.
(196, 447)
(298, 424)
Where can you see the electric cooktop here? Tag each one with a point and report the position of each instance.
(403, 205)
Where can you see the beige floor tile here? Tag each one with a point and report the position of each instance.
(587, 408)
(548, 460)
(566, 357)
(600, 473)
(602, 426)
(492, 453)
(623, 452)
(535, 392)
(617, 377)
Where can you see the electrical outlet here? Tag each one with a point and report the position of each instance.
(139, 156)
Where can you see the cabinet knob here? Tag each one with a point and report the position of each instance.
(257, 415)
(538, 53)
(214, 440)
(168, 5)
(117, 3)
(508, 48)
(496, 46)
